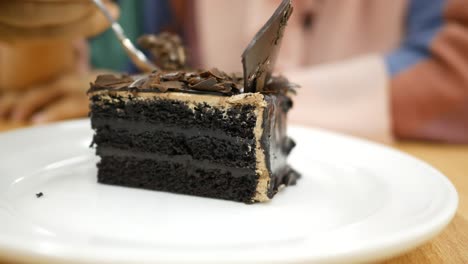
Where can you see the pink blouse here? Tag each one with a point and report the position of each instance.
(355, 61)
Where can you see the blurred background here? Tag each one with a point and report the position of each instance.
(384, 70)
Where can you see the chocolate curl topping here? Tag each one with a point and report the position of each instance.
(167, 50)
(260, 56)
(112, 81)
(212, 80)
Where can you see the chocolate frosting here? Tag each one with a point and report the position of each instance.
(201, 81)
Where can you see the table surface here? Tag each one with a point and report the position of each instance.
(451, 246)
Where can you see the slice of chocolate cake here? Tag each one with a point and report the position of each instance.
(207, 144)
(204, 133)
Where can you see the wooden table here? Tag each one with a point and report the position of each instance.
(451, 246)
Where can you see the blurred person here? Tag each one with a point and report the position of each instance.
(44, 69)
(374, 68)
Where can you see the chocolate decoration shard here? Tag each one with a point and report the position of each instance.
(260, 56)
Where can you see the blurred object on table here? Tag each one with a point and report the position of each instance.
(44, 68)
(32, 20)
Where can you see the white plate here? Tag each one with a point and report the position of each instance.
(357, 201)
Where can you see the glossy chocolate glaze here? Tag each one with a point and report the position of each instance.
(276, 143)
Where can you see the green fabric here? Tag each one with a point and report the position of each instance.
(106, 52)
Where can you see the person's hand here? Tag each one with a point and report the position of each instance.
(60, 99)
(42, 19)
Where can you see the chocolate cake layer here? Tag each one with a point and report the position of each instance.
(138, 126)
(234, 152)
(236, 121)
(177, 177)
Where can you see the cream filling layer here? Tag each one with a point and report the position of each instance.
(261, 194)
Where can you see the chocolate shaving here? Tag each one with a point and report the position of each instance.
(112, 81)
(150, 81)
(167, 49)
(207, 84)
(172, 76)
(169, 85)
(220, 75)
(191, 74)
(194, 80)
(211, 81)
(223, 87)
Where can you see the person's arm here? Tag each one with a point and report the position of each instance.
(430, 74)
(419, 91)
